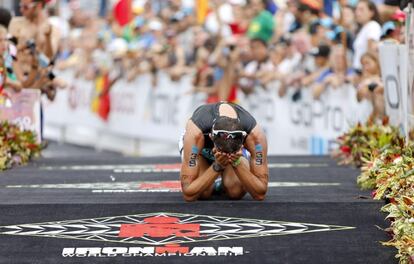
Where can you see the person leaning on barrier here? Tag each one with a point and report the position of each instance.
(223, 151)
(37, 44)
(370, 86)
(338, 76)
(33, 26)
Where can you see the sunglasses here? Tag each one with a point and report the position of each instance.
(27, 6)
(224, 134)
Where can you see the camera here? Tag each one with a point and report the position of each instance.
(51, 76)
(31, 45)
(400, 3)
(372, 86)
(13, 40)
(43, 60)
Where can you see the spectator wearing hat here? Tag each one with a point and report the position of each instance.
(321, 55)
(338, 75)
(305, 13)
(392, 30)
(319, 31)
(389, 32)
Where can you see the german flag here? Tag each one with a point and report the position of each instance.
(101, 101)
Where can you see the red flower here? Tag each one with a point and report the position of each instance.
(32, 146)
(385, 120)
(345, 149)
(393, 201)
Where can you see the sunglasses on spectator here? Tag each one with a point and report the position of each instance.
(27, 6)
(224, 134)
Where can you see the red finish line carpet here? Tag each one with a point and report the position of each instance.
(76, 205)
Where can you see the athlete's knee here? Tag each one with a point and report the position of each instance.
(235, 193)
(205, 195)
(189, 198)
(258, 197)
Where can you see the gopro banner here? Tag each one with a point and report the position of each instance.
(305, 126)
(22, 108)
(390, 72)
(410, 43)
(147, 116)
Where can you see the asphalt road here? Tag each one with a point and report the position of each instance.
(78, 205)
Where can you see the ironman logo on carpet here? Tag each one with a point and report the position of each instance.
(162, 234)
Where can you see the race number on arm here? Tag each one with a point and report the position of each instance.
(255, 177)
(192, 183)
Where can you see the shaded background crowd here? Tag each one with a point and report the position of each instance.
(231, 47)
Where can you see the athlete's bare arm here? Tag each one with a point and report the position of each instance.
(193, 184)
(255, 177)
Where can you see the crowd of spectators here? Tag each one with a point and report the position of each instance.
(229, 46)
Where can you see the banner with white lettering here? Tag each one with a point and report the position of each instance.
(22, 108)
(391, 76)
(157, 110)
(410, 46)
(304, 126)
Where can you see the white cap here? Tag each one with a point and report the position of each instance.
(237, 2)
(155, 25)
(118, 47)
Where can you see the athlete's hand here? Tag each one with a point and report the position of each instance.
(235, 156)
(221, 158)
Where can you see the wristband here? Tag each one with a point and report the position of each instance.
(217, 167)
(237, 162)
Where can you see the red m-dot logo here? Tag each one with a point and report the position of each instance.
(162, 226)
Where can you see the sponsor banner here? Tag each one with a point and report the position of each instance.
(390, 72)
(304, 126)
(410, 43)
(405, 89)
(23, 109)
(141, 111)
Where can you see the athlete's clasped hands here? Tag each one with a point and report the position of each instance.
(224, 159)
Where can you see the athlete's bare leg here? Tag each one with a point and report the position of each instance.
(203, 166)
(232, 186)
